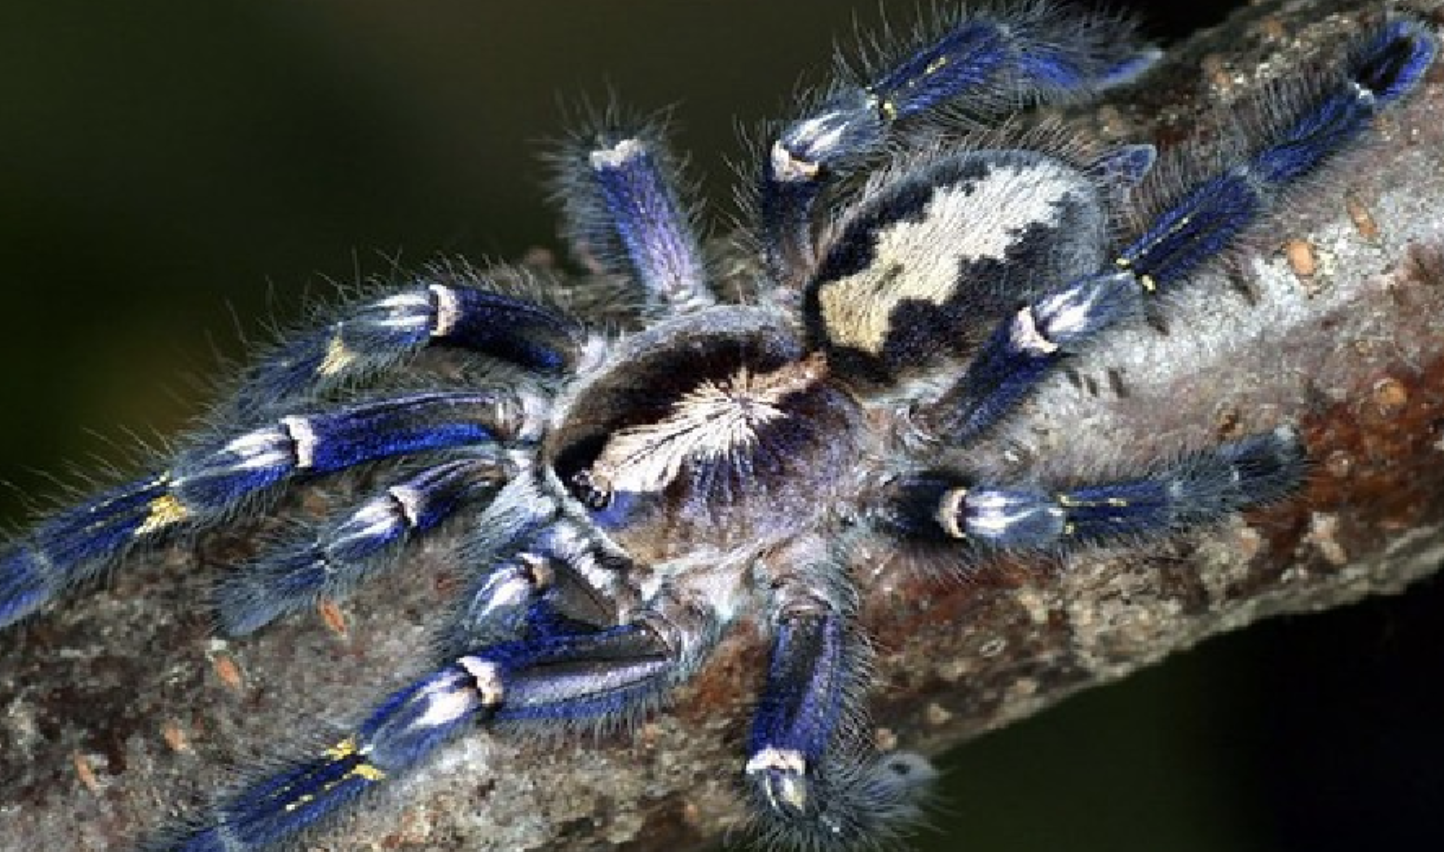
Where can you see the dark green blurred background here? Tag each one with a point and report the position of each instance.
(174, 176)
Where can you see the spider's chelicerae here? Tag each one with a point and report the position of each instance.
(664, 451)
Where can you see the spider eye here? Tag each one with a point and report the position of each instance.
(585, 488)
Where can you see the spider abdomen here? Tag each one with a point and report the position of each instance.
(933, 257)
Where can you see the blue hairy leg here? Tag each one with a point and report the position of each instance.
(987, 64)
(624, 215)
(368, 338)
(1195, 229)
(813, 778)
(1382, 68)
(348, 549)
(1199, 488)
(579, 674)
(208, 482)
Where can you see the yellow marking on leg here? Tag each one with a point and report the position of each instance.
(1145, 281)
(337, 358)
(368, 771)
(164, 510)
(346, 749)
(342, 750)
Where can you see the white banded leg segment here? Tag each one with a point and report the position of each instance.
(400, 733)
(1194, 489)
(802, 707)
(203, 484)
(555, 574)
(1305, 132)
(563, 666)
(500, 600)
(1004, 518)
(562, 670)
(213, 479)
(780, 775)
(368, 338)
(1025, 348)
(518, 331)
(332, 560)
(633, 221)
(814, 780)
(574, 675)
(988, 61)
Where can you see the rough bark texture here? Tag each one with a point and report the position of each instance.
(118, 709)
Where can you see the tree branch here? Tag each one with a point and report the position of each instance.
(120, 709)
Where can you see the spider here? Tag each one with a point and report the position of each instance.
(647, 460)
